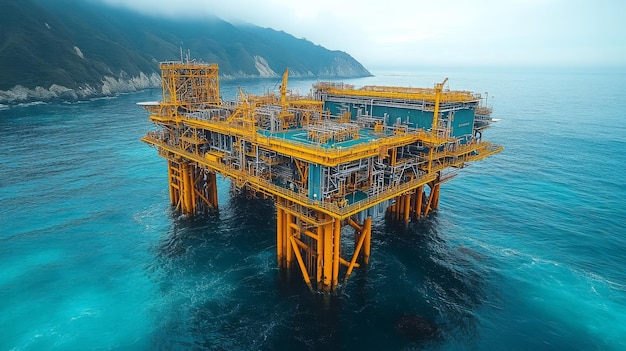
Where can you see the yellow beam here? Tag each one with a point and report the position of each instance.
(354, 224)
(321, 257)
(296, 251)
(407, 207)
(212, 183)
(412, 94)
(327, 229)
(347, 263)
(199, 194)
(288, 235)
(283, 89)
(315, 154)
(367, 225)
(336, 250)
(279, 235)
(437, 190)
(169, 181)
(263, 185)
(418, 202)
(355, 255)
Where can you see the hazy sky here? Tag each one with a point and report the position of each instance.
(403, 33)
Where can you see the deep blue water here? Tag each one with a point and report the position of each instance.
(526, 252)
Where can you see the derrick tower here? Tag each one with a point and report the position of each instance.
(332, 159)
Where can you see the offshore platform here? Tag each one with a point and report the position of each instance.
(331, 160)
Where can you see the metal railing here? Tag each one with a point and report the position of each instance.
(243, 178)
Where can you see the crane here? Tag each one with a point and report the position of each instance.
(283, 89)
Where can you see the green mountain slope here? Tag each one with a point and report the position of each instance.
(73, 49)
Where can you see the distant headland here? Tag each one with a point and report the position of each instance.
(75, 50)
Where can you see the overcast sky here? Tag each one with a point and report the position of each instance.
(405, 33)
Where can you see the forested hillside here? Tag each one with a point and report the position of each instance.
(72, 49)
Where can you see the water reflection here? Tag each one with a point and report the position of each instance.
(221, 288)
(442, 283)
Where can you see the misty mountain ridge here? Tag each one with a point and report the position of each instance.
(72, 50)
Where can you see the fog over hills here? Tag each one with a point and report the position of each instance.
(71, 49)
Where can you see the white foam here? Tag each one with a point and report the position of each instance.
(33, 103)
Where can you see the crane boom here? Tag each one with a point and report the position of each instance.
(283, 89)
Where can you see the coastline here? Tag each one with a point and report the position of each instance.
(112, 86)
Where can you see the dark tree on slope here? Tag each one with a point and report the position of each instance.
(76, 43)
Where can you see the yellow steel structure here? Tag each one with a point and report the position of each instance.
(328, 173)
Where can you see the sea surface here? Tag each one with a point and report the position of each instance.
(527, 251)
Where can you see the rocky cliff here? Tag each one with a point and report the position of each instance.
(72, 50)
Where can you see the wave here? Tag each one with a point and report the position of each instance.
(525, 266)
(32, 103)
(603, 280)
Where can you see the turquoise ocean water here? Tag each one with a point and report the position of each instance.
(526, 253)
